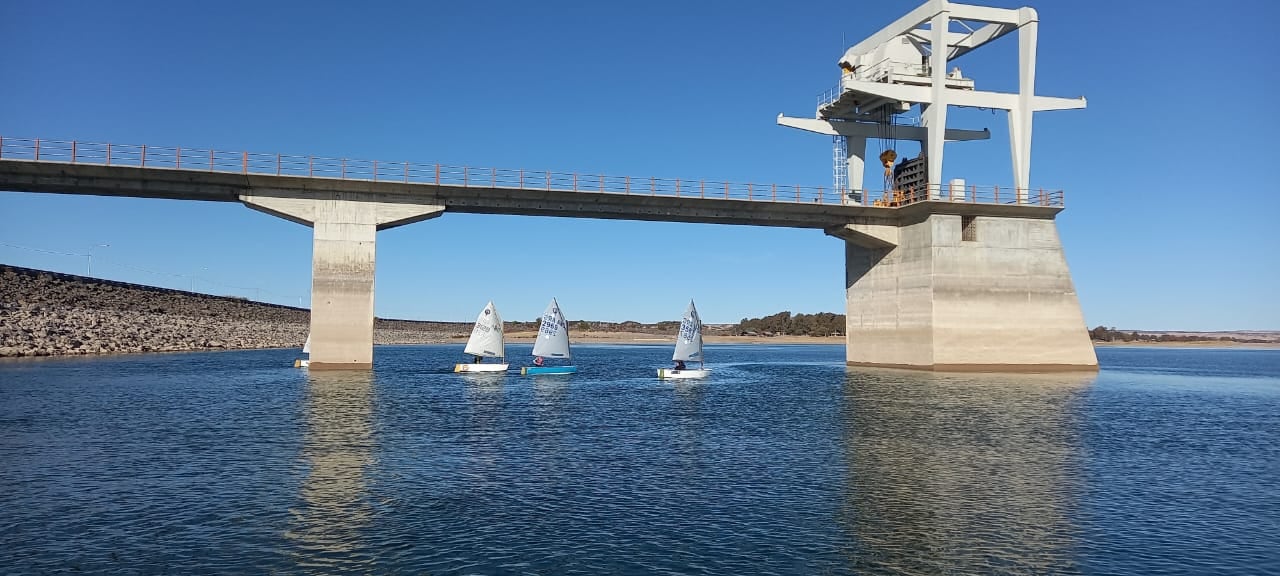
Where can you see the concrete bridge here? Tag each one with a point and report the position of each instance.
(966, 278)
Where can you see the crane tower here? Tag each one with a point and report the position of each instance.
(903, 68)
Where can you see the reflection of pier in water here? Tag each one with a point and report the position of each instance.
(977, 473)
(333, 510)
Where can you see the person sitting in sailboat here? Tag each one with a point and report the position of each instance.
(537, 360)
(679, 364)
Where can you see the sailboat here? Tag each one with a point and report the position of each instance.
(306, 349)
(688, 348)
(486, 342)
(552, 342)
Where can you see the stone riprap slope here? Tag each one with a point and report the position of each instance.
(50, 314)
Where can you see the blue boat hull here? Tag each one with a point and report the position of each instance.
(531, 370)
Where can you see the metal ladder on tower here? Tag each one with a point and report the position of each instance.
(840, 168)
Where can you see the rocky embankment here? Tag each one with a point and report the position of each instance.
(50, 314)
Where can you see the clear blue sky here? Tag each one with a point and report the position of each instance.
(1171, 194)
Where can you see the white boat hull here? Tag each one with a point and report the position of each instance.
(480, 367)
(686, 374)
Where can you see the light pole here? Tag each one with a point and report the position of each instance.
(88, 258)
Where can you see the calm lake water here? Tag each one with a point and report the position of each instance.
(783, 462)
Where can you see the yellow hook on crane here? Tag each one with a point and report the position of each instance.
(887, 158)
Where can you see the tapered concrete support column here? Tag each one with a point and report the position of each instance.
(928, 298)
(342, 266)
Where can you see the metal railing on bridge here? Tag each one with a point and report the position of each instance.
(210, 160)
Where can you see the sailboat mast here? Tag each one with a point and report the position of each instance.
(697, 319)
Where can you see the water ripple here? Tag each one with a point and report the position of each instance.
(782, 463)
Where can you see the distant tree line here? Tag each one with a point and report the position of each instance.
(1104, 334)
(664, 327)
(820, 324)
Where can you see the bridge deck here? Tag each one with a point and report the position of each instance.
(70, 167)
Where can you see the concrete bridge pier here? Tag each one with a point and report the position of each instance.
(952, 292)
(345, 227)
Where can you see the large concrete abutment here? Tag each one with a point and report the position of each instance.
(962, 293)
(345, 226)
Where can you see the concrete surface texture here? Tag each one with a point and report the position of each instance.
(343, 258)
(1001, 300)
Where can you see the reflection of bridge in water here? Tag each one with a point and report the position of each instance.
(327, 524)
(978, 474)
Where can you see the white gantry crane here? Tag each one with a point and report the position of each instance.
(905, 65)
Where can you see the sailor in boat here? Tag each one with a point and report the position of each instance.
(477, 360)
(537, 360)
(679, 365)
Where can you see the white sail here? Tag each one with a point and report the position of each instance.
(553, 334)
(306, 346)
(689, 341)
(486, 338)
